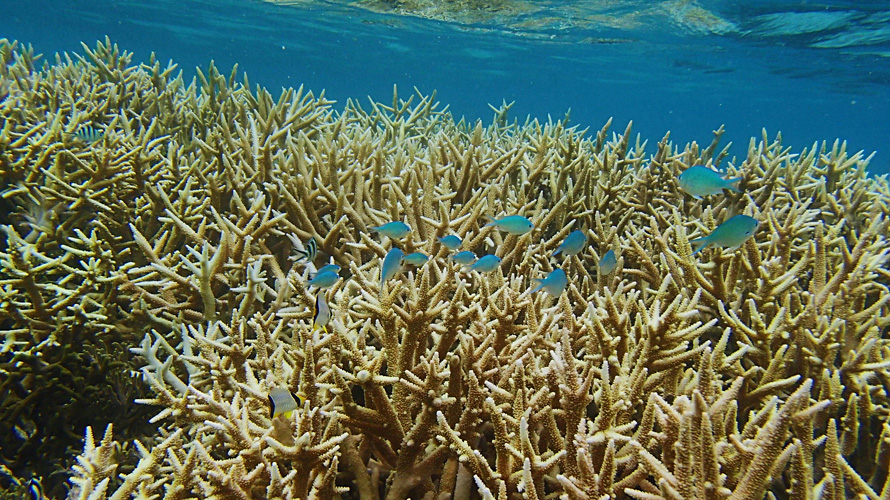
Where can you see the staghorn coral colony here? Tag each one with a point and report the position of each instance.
(155, 269)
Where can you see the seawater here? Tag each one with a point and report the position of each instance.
(812, 72)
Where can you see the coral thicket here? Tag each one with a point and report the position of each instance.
(155, 266)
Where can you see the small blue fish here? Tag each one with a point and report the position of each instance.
(394, 230)
(701, 181)
(607, 263)
(322, 312)
(464, 258)
(324, 280)
(573, 244)
(486, 264)
(554, 283)
(311, 250)
(89, 134)
(328, 267)
(512, 224)
(392, 263)
(731, 233)
(451, 242)
(416, 259)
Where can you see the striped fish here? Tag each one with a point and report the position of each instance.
(89, 134)
(322, 312)
(283, 402)
(311, 250)
(35, 488)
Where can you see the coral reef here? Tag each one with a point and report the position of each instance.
(63, 348)
(172, 240)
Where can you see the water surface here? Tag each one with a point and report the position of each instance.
(814, 71)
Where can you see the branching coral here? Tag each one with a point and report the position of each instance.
(759, 372)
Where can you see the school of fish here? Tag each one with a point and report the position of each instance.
(697, 181)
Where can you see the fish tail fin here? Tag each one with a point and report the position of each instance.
(733, 184)
(491, 221)
(698, 244)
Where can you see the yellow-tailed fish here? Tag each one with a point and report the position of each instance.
(701, 181)
(554, 283)
(392, 263)
(512, 224)
(486, 264)
(607, 263)
(731, 233)
(573, 244)
(311, 250)
(395, 230)
(282, 402)
(324, 280)
(451, 242)
(322, 312)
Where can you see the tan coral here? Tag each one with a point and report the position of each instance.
(720, 374)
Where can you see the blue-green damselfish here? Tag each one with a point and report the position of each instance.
(415, 259)
(464, 258)
(394, 230)
(486, 264)
(573, 244)
(701, 181)
(607, 263)
(554, 283)
(451, 242)
(512, 224)
(731, 233)
(324, 280)
(392, 263)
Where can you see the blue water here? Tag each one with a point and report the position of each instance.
(812, 71)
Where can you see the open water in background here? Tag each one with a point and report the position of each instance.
(812, 70)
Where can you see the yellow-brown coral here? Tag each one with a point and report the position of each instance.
(759, 372)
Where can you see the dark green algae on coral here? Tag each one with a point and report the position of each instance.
(149, 280)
